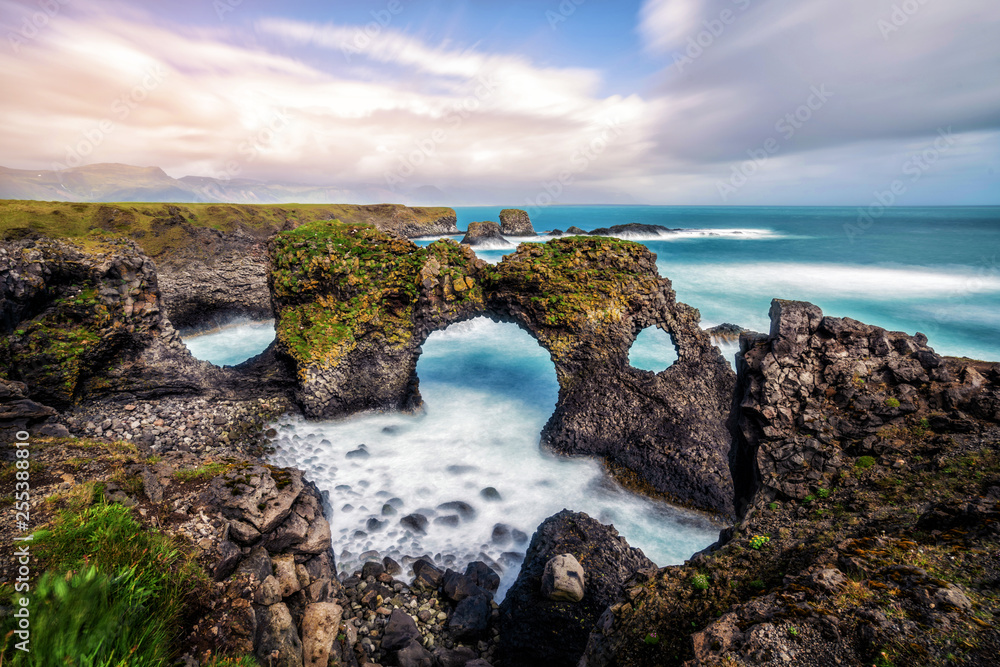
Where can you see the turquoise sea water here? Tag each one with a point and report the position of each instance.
(933, 270)
(489, 388)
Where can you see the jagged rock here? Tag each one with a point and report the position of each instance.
(537, 631)
(515, 222)
(484, 577)
(399, 631)
(633, 229)
(320, 626)
(277, 640)
(253, 496)
(816, 386)
(575, 231)
(269, 591)
(426, 575)
(283, 567)
(563, 579)
(485, 234)
(243, 533)
(457, 587)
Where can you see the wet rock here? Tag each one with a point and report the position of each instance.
(450, 520)
(457, 587)
(415, 522)
(575, 231)
(489, 493)
(372, 569)
(465, 510)
(360, 453)
(501, 534)
(484, 233)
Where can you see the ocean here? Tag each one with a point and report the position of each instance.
(489, 388)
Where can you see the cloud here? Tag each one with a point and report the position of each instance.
(332, 103)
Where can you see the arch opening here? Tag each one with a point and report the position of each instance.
(231, 342)
(465, 479)
(653, 350)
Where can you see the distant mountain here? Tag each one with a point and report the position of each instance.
(125, 183)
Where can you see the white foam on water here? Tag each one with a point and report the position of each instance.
(688, 234)
(232, 343)
(480, 429)
(804, 281)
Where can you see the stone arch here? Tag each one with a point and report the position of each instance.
(583, 299)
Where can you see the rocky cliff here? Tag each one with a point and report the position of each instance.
(868, 481)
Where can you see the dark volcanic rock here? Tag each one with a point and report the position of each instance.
(538, 631)
(633, 229)
(576, 231)
(726, 333)
(515, 222)
(817, 386)
(471, 617)
(485, 234)
(399, 631)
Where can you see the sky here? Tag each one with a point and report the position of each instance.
(698, 102)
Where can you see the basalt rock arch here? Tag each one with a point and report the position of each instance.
(354, 305)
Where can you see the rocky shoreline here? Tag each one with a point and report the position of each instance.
(860, 468)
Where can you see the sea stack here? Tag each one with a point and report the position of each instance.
(515, 222)
(484, 233)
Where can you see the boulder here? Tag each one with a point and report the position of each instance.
(471, 617)
(515, 222)
(563, 579)
(399, 631)
(575, 231)
(414, 655)
(485, 234)
(535, 630)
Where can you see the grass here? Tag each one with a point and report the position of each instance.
(202, 473)
(154, 226)
(113, 592)
(864, 462)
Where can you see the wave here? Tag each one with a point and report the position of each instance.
(685, 234)
(795, 280)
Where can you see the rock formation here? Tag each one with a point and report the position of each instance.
(354, 305)
(486, 234)
(515, 222)
(634, 229)
(868, 484)
(538, 630)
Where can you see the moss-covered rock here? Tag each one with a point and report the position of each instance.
(354, 305)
